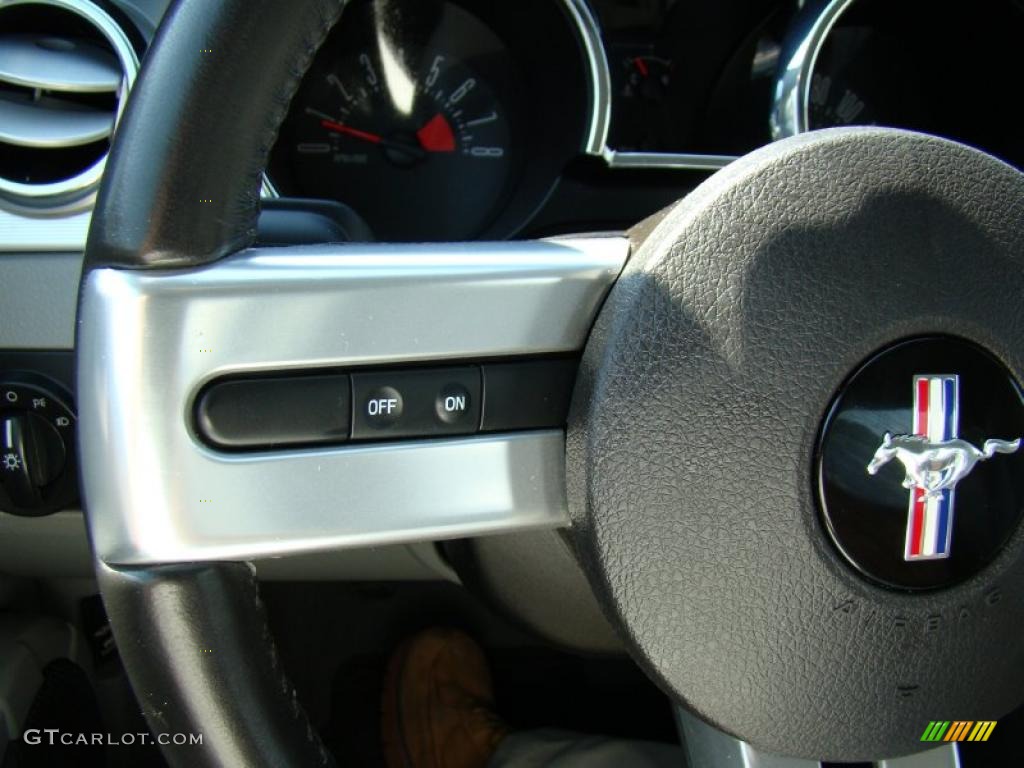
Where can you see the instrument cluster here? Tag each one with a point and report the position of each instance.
(463, 119)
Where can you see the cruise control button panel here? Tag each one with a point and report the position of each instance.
(427, 402)
(308, 409)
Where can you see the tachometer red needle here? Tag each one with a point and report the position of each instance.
(330, 125)
(436, 135)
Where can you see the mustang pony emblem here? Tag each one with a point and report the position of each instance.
(935, 467)
(935, 460)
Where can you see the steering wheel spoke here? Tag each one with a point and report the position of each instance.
(708, 746)
(151, 341)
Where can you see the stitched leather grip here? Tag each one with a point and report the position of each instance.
(202, 661)
(181, 186)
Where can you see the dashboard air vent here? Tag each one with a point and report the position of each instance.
(65, 71)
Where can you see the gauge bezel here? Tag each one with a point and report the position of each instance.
(896, 81)
(790, 114)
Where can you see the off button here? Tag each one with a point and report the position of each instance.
(383, 407)
(454, 405)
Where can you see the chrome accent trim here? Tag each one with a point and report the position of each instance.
(148, 341)
(77, 193)
(681, 161)
(36, 61)
(808, 33)
(267, 190)
(600, 83)
(600, 79)
(40, 126)
(936, 466)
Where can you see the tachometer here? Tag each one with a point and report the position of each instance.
(406, 118)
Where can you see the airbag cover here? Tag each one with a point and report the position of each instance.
(694, 424)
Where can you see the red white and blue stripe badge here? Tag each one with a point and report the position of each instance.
(936, 417)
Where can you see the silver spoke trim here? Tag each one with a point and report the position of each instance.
(946, 756)
(148, 341)
(708, 747)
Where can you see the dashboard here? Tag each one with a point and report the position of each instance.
(437, 120)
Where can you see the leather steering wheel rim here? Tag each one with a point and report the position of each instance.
(194, 638)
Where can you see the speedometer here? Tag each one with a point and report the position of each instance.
(949, 69)
(407, 118)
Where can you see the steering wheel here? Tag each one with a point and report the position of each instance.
(742, 354)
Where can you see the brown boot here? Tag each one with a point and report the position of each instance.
(439, 704)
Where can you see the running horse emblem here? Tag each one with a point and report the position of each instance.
(935, 467)
(934, 459)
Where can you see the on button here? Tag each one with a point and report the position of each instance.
(453, 404)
